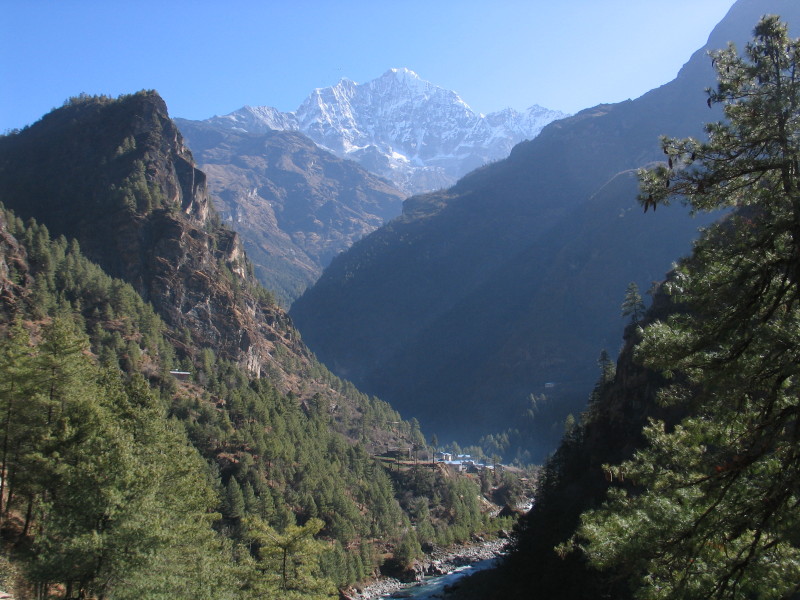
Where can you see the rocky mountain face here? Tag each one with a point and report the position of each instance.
(121, 182)
(294, 205)
(510, 283)
(417, 135)
(124, 185)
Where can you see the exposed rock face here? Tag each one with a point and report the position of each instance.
(121, 182)
(416, 134)
(294, 204)
(189, 288)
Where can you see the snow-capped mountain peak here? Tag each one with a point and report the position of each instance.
(417, 134)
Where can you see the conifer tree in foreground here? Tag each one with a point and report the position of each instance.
(710, 508)
(103, 514)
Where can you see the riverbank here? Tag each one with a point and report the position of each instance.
(438, 563)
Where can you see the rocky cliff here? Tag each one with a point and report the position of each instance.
(116, 176)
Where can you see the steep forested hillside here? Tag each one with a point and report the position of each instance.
(681, 481)
(123, 185)
(510, 283)
(95, 360)
(170, 436)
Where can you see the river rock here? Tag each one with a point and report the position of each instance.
(435, 569)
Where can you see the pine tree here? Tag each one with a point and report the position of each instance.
(16, 372)
(288, 562)
(607, 368)
(409, 549)
(88, 471)
(711, 506)
(234, 505)
(633, 305)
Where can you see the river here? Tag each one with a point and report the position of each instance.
(457, 562)
(434, 587)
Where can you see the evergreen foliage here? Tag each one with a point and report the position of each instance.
(122, 483)
(633, 306)
(710, 510)
(286, 565)
(86, 472)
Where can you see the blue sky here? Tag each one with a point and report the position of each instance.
(208, 58)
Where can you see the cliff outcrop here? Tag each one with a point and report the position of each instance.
(115, 175)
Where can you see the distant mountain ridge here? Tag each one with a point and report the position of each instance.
(294, 204)
(418, 135)
(510, 283)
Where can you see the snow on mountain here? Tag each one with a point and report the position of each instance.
(257, 119)
(416, 134)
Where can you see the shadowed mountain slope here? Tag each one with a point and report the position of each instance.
(510, 283)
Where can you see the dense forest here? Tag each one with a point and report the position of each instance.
(122, 481)
(139, 458)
